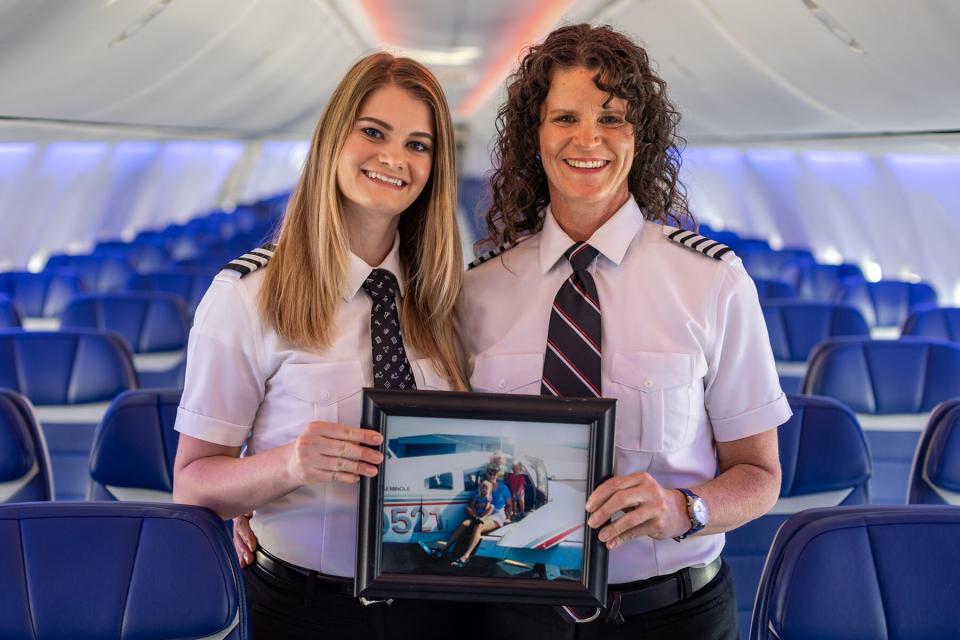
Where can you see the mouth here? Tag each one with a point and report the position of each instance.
(586, 164)
(383, 179)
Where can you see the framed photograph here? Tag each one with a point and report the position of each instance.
(481, 497)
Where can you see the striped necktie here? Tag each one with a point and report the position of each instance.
(571, 364)
(391, 369)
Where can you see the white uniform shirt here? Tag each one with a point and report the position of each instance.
(685, 353)
(246, 385)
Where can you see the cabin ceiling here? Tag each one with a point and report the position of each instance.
(740, 70)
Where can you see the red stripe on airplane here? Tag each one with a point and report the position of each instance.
(549, 542)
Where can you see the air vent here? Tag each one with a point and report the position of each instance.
(833, 25)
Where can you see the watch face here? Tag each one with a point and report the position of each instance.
(699, 509)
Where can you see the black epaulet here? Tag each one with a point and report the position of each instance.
(493, 253)
(249, 262)
(699, 243)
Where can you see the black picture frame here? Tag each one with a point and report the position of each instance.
(372, 581)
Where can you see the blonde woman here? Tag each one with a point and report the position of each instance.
(358, 292)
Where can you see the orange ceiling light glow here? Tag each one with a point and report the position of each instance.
(539, 18)
(529, 21)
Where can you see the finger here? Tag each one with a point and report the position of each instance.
(345, 432)
(624, 501)
(611, 486)
(626, 523)
(343, 449)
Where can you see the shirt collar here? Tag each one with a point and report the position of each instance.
(612, 239)
(358, 270)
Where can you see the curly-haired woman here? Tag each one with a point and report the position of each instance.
(592, 294)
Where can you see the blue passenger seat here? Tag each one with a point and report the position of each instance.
(886, 304)
(892, 385)
(134, 448)
(70, 377)
(97, 272)
(935, 472)
(25, 474)
(40, 296)
(189, 284)
(118, 570)
(862, 572)
(934, 322)
(154, 324)
(774, 289)
(825, 462)
(10, 316)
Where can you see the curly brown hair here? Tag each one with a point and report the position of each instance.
(519, 184)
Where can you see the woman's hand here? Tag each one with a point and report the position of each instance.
(648, 510)
(244, 539)
(329, 451)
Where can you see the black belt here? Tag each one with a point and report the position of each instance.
(644, 596)
(298, 579)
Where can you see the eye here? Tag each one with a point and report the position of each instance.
(565, 119)
(418, 146)
(372, 132)
(610, 120)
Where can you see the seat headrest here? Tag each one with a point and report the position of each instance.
(65, 367)
(17, 455)
(149, 321)
(135, 444)
(41, 294)
(9, 314)
(864, 572)
(795, 327)
(942, 463)
(934, 322)
(188, 284)
(822, 448)
(910, 375)
(112, 570)
(773, 289)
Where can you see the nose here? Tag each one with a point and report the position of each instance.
(390, 158)
(587, 135)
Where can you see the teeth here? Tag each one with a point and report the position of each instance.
(397, 182)
(586, 164)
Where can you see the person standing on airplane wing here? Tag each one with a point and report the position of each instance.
(591, 294)
(358, 292)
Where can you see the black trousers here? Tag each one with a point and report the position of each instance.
(710, 614)
(277, 612)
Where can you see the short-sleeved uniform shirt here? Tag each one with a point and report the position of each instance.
(247, 386)
(685, 353)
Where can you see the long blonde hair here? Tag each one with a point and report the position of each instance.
(308, 272)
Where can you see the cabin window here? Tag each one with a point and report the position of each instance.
(439, 481)
(473, 478)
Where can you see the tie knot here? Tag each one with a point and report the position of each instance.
(381, 284)
(580, 255)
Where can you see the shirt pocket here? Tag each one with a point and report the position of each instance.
(657, 395)
(325, 386)
(508, 373)
(429, 377)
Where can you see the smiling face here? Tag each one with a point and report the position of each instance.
(586, 146)
(388, 155)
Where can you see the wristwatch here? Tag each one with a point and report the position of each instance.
(697, 511)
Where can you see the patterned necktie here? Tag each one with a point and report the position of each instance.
(391, 369)
(571, 364)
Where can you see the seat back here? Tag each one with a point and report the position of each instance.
(134, 448)
(824, 461)
(111, 570)
(153, 323)
(934, 322)
(40, 295)
(820, 282)
(25, 474)
(97, 272)
(9, 313)
(70, 377)
(861, 572)
(190, 285)
(887, 303)
(766, 263)
(774, 289)
(795, 327)
(892, 386)
(935, 472)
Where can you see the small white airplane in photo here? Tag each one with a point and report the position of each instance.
(426, 497)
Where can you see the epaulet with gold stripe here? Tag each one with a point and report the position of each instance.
(699, 243)
(493, 253)
(249, 262)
